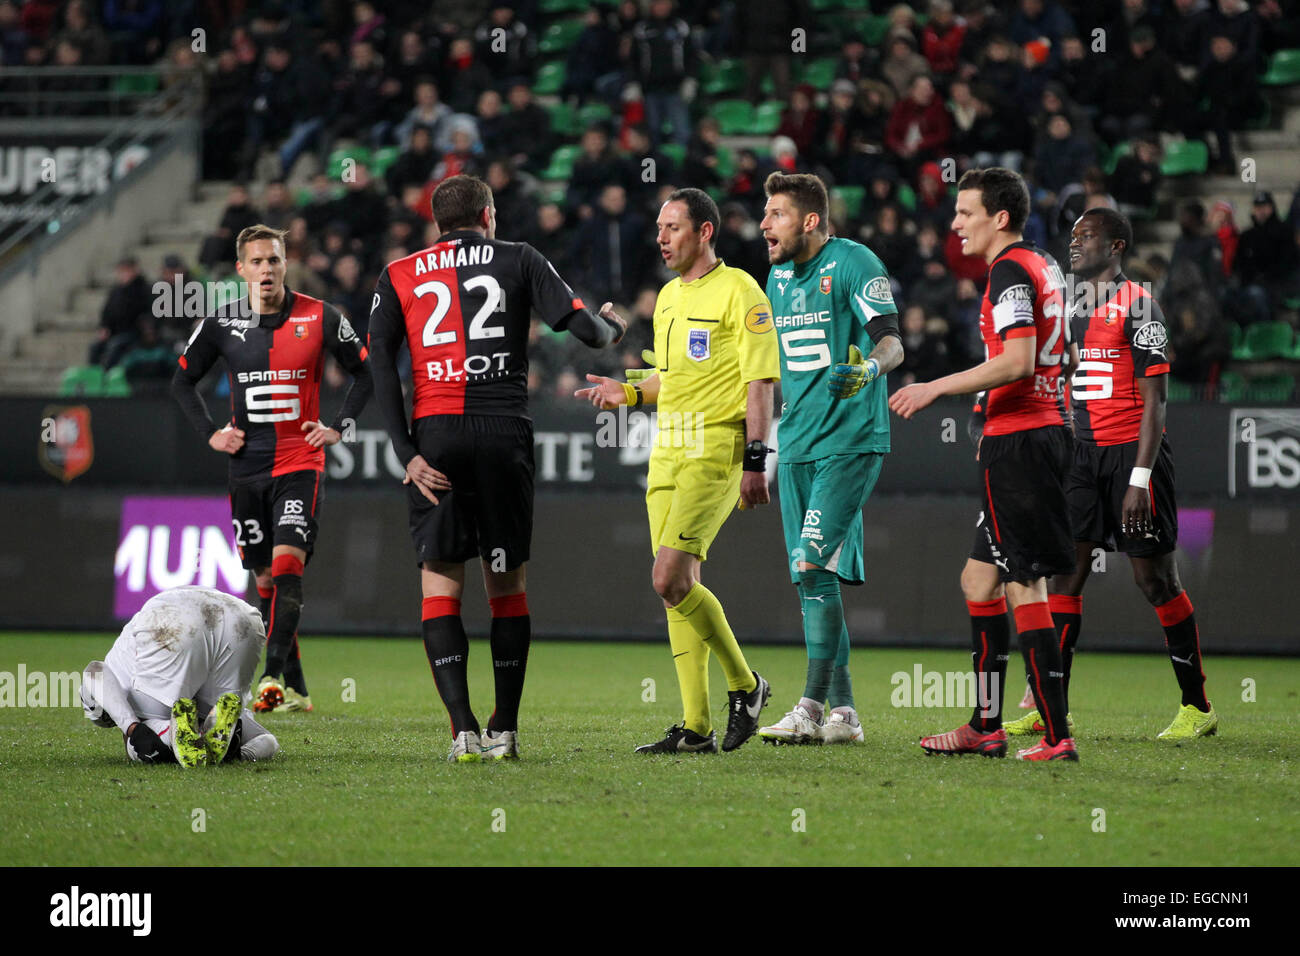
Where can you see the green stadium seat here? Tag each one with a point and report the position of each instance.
(1180, 391)
(852, 197)
(555, 194)
(767, 118)
(859, 6)
(819, 73)
(735, 117)
(1269, 340)
(140, 84)
(1121, 149)
(726, 162)
(564, 119)
(825, 6)
(561, 162)
(873, 30)
(382, 158)
(562, 6)
(1238, 337)
(1271, 388)
(1186, 157)
(723, 77)
(674, 151)
(84, 380)
(358, 154)
(907, 197)
(550, 79)
(115, 383)
(1232, 387)
(594, 113)
(1283, 69)
(559, 36)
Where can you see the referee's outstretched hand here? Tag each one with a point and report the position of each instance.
(604, 393)
(426, 479)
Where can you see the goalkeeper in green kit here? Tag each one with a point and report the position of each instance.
(832, 306)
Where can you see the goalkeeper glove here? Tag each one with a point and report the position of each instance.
(636, 375)
(849, 378)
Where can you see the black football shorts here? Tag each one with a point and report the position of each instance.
(1095, 489)
(1024, 527)
(489, 510)
(273, 511)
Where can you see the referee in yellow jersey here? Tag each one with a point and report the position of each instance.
(717, 365)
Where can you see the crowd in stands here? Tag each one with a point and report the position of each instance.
(1077, 96)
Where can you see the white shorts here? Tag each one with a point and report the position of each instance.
(189, 642)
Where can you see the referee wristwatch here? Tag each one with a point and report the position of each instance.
(756, 456)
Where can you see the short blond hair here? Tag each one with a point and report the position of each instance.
(254, 233)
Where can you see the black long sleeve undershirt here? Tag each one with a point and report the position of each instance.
(186, 393)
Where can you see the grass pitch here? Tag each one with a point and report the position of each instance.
(364, 782)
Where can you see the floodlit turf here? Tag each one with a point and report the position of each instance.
(365, 782)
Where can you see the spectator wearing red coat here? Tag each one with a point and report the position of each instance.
(919, 127)
(941, 40)
(801, 119)
(1223, 220)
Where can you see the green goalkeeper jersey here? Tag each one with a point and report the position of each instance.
(821, 307)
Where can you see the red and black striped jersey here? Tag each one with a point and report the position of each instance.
(1121, 340)
(274, 363)
(464, 308)
(1025, 297)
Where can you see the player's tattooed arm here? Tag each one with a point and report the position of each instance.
(888, 350)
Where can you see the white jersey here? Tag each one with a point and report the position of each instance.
(190, 642)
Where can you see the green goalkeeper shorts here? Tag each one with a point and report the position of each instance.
(821, 511)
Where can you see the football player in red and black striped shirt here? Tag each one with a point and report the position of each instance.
(464, 306)
(1023, 534)
(1121, 485)
(274, 344)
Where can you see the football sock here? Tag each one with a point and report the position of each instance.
(841, 692)
(704, 612)
(1067, 615)
(264, 605)
(1183, 642)
(510, 635)
(990, 651)
(293, 675)
(691, 658)
(1042, 653)
(823, 628)
(447, 647)
(286, 608)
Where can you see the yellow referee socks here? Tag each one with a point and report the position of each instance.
(691, 657)
(704, 613)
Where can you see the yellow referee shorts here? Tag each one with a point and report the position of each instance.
(691, 490)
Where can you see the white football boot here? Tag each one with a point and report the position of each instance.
(843, 727)
(503, 745)
(466, 748)
(796, 727)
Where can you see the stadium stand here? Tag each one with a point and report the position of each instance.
(316, 106)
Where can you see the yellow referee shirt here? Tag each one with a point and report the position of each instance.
(713, 336)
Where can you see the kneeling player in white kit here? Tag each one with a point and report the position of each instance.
(174, 681)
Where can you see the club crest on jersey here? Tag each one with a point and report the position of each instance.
(300, 331)
(697, 344)
(1151, 337)
(826, 285)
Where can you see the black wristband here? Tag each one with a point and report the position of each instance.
(756, 456)
(640, 396)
